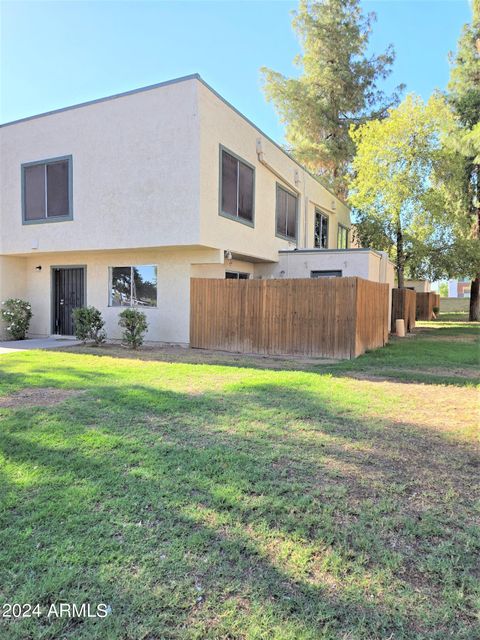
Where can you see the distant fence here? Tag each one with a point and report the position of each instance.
(454, 305)
(425, 304)
(326, 317)
(404, 307)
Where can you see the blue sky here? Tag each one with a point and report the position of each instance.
(54, 54)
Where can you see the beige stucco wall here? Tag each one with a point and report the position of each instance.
(421, 286)
(221, 125)
(219, 270)
(135, 173)
(169, 322)
(13, 278)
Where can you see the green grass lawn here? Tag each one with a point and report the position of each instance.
(242, 500)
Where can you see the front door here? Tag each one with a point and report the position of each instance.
(68, 293)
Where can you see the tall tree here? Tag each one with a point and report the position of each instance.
(338, 86)
(396, 186)
(464, 96)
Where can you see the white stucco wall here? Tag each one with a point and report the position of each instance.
(135, 173)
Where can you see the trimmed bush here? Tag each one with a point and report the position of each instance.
(135, 325)
(88, 325)
(17, 315)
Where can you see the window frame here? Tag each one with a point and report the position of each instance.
(326, 273)
(130, 306)
(325, 215)
(278, 186)
(346, 229)
(46, 162)
(224, 214)
(239, 275)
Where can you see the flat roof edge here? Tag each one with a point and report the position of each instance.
(378, 253)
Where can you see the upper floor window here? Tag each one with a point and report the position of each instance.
(342, 240)
(321, 230)
(286, 214)
(237, 184)
(47, 190)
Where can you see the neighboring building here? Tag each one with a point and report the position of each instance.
(459, 288)
(420, 286)
(120, 201)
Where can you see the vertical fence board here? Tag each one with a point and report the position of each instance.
(425, 304)
(404, 308)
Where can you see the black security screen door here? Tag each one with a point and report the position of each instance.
(68, 293)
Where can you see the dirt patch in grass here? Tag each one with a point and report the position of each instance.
(187, 355)
(37, 397)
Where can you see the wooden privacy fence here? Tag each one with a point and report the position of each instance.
(425, 304)
(403, 307)
(327, 317)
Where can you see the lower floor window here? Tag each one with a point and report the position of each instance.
(325, 274)
(236, 275)
(133, 286)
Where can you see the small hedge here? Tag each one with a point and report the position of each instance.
(88, 325)
(135, 325)
(17, 315)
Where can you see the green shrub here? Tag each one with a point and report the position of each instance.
(17, 315)
(436, 310)
(88, 325)
(135, 325)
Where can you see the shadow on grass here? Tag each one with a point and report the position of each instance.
(263, 510)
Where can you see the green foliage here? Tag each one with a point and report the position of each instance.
(464, 97)
(16, 314)
(396, 186)
(88, 325)
(135, 325)
(338, 86)
(464, 85)
(443, 290)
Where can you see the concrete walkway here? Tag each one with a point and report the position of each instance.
(54, 342)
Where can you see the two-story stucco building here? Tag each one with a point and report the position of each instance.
(120, 201)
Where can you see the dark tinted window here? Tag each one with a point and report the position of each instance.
(229, 184)
(286, 213)
(321, 230)
(325, 274)
(245, 191)
(237, 187)
(57, 189)
(34, 196)
(46, 190)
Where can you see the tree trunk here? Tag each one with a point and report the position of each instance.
(400, 259)
(474, 313)
(475, 299)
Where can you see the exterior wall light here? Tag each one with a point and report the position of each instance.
(39, 268)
